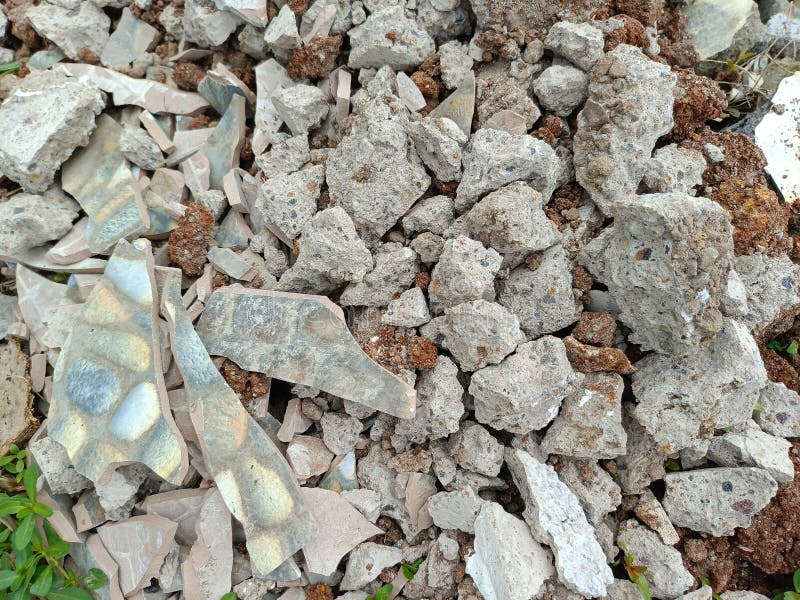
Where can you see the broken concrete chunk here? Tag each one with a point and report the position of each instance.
(681, 400)
(17, 422)
(310, 336)
(524, 392)
(500, 95)
(366, 562)
(475, 449)
(410, 309)
(476, 333)
(28, 220)
(777, 137)
(130, 40)
(455, 510)
(465, 272)
(556, 519)
(511, 219)
(781, 414)
(542, 299)
(772, 285)
(32, 155)
(340, 433)
(494, 158)
(665, 573)
(561, 89)
(396, 266)
(717, 501)
(438, 143)
(109, 405)
(674, 169)
(580, 43)
(629, 108)
(751, 447)
(72, 29)
(308, 456)
(590, 423)
(139, 546)
(439, 404)
(657, 238)
(301, 107)
(593, 487)
(100, 179)
(389, 38)
(289, 201)
(54, 464)
(434, 214)
(138, 147)
(341, 528)
(286, 155)
(507, 564)
(206, 26)
(254, 479)
(281, 34)
(455, 63)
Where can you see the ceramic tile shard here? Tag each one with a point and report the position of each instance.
(109, 404)
(150, 95)
(253, 477)
(301, 339)
(220, 85)
(38, 297)
(93, 555)
(270, 77)
(225, 143)
(130, 40)
(460, 105)
(100, 179)
(37, 258)
(252, 11)
(73, 247)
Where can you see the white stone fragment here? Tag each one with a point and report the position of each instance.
(389, 38)
(557, 519)
(475, 449)
(308, 456)
(455, 510)
(507, 564)
(561, 89)
(301, 107)
(455, 63)
(751, 447)
(410, 309)
(366, 562)
(71, 29)
(28, 220)
(438, 142)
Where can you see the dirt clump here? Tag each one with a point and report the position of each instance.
(595, 328)
(429, 87)
(779, 369)
(248, 385)
(699, 99)
(550, 129)
(631, 33)
(644, 11)
(319, 591)
(590, 359)
(189, 241)
(675, 44)
(397, 350)
(187, 76)
(316, 59)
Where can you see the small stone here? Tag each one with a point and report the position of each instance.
(55, 466)
(288, 201)
(28, 220)
(751, 447)
(498, 95)
(465, 272)
(743, 595)
(455, 510)
(301, 107)
(590, 424)
(589, 359)
(308, 456)
(556, 519)
(251, 42)
(438, 143)
(580, 43)
(674, 169)
(593, 487)
(652, 514)
(511, 219)
(595, 328)
(72, 30)
(542, 298)
(340, 432)
(474, 448)
(524, 392)
(476, 333)
(561, 89)
(428, 246)
(366, 562)
(507, 562)
(139, 148)
(454, 62)
(772, 285)
(781, 410)
(343, 19)
(331, 254)
(396, 266)
(410, 309)
(717, 501)
(434, 214)
(439, 404)
(130, 40)
(32, 155)
(389, 38)
(495, 158)
(205, 25)
(665, 573)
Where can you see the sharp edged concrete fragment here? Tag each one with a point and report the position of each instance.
(16, 401)
(557, 519)
(109, 405)
(253, 477)
(302, 339)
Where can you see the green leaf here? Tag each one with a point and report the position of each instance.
(644, 587)
(410, 569)
(42, 510)
(21, 538)
(672, 465)
(6, 459)
(796, 580)
(20, 595)
(229, 596)
(792, 347)
(7, 578)
(30, 478)
(383, 592)
(11, 506)
(69, 593)
(776, 345)
(13, 449)
(43, 583)
(20, 466)
(777, 596)
(759, 407)
(4, 535)
(791, 596)
(95, 579)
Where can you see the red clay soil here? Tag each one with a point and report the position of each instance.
(188, 242)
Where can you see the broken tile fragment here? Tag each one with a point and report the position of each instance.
(129, 41)
(366, 562)
(223, 146)
(254, 479)
(92, 554)
(179, 506)
(270, 77)
(227, 261)
(109, 404)
(99, 178)
(312, 333)
(139, 546)
(460, 105)
(220, 85)
(32, 155)
(341, 528)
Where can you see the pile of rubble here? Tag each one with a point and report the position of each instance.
(482, 288)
